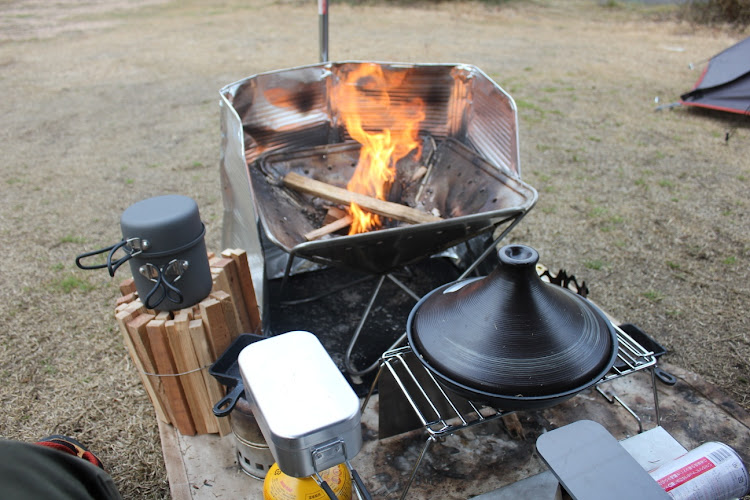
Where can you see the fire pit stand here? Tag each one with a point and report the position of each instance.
(470, 269)
(441, 413)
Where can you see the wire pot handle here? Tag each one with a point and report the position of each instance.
(131, 247)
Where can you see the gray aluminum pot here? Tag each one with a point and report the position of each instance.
(163, 238)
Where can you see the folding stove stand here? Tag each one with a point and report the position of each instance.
(442, 414)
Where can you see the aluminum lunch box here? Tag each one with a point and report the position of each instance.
(306, 410)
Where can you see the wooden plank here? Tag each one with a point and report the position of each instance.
(221, 284)
(123, 317)
(179, 485)
(248, 290)
(333, 214)
(336, 194)
(164, 316)
(139, 338)
(213, 387)
(185, 360)
(334, 226)
(227, 305)
(157, 335)
(217, 331)
(126, 299)
(127, 286)
(230, 273)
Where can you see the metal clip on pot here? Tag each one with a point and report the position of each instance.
(174, 268)
(131, 247)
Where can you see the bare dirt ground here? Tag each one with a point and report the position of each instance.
(106, 103)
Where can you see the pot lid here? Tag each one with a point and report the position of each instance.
(511, 334)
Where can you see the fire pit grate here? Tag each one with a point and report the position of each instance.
(472, 196)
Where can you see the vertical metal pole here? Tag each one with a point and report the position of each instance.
(323, 27)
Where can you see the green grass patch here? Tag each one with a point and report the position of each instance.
(48, 367)
(653, 295)
(543, 177)
(78, 240)
(597, 212)
(528, 106)
(70, 283)
(596, 265)
(730, 261)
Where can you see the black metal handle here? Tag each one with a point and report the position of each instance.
(664, 377)
(360, 484)
(110, 250)
(328, 490)
(226, 404)
(169, 291)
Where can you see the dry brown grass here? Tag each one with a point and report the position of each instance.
(104, 108)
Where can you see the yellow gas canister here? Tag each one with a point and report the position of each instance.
(279, 486)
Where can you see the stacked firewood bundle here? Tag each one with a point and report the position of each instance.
(173, 350)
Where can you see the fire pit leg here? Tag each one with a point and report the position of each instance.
(613, 398)
(425, 448)
(287, 270)
(493, 247)
(348, 357)
(656, 395)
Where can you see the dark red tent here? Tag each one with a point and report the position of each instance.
(725, 83)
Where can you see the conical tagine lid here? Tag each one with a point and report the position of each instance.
(510, 334)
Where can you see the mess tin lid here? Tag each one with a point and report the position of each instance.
(167, 222)
(298, 395)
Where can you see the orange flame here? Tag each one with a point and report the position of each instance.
(387, 131)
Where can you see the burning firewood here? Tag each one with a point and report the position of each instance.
(418, 174)
(339, 195)
(332, 227)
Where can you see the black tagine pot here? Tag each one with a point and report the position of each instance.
(510, 339)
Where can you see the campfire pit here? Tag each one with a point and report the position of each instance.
(469, 194)
(291, 121)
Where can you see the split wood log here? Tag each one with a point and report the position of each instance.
(157, 336)
(339, 195)
(333, 214)
(186, 362)
(334, 226)
(212, 315)
(126, 299)
(227, 305)
(127, 286)
(418, 173)
(164, 315)
(248, 289)
(128, 313)
(213, 387)
(229, 273)
(139, 338)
